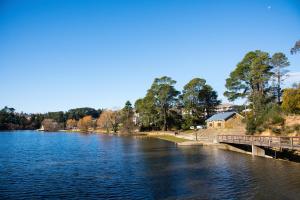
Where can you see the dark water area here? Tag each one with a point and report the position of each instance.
(36, 165)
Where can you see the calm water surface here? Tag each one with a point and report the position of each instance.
(67, 165)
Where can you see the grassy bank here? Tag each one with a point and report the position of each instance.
(169, 138)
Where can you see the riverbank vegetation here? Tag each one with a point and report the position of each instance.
(12, 120)
(257, 79)
(163, 108)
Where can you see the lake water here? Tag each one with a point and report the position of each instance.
(68, 165)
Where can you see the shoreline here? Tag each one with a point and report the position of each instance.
(171, 137)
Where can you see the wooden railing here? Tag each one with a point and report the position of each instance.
(266, 141)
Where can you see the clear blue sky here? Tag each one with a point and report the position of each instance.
(58, 54)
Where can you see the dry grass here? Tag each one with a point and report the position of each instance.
(292, 120)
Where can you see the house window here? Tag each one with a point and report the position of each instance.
(219, 124)
(210, 124)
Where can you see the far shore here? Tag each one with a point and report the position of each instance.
(163, 135)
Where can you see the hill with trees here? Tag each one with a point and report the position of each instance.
(258, 78)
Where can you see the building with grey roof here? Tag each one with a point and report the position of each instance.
(225, 120)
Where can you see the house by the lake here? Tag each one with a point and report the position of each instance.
(225, 120)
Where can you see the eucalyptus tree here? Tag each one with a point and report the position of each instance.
(148, 115)
(250, 80)
(165, 97)
(199, 101)
(279, 62)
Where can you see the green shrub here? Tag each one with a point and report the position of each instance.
(276, 130)
(270, 115)
(260, 129)
(277, 119)
(250, 125)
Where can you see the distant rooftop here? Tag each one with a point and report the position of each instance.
(221, 116)
(225, 105)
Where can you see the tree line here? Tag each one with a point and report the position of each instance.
(162, 108)
(257, 78)
(108, 121)
(165, 108)
(11, 120)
